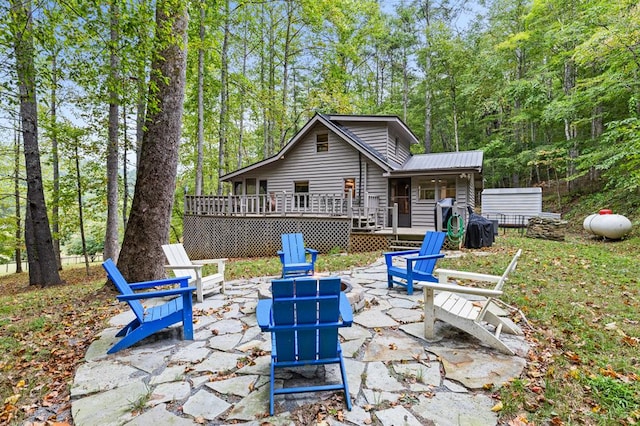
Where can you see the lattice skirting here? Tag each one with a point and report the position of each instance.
(369, 242)
(207, 237)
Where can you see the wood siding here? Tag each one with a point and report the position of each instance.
(403, 152)
(374, 134)
(422, 211)
(325, 171)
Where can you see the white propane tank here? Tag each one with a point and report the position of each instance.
(606, 224)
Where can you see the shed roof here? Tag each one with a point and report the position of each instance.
(443, 162)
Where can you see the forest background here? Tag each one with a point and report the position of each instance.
(548, 89)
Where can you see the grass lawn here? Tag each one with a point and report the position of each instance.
(580, 297)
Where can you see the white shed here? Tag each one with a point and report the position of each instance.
(522, 203)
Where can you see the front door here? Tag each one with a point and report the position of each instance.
(400, 193)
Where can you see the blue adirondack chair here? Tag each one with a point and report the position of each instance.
(293, 256)
(303, 317)
(419, 263)
(153, 319)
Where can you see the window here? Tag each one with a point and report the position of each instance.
(427, 190)
(301, 193)
(322, 142)
(434, 190)
(237, 188)
(251, 186)
(395, 147)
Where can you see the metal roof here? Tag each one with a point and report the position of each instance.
(467, 160)
(451, 162)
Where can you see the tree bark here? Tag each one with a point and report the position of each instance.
(200, 159)
(111, 247)
(55, 158)
(141, 257)
(224, 96)
(16, 194)
(428, 126)
(43, 265)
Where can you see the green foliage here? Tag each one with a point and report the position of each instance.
(615, 398)
(94, 246)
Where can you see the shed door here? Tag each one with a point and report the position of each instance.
(400, 193)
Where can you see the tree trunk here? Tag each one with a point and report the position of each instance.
(16, 194)
(125, 169)
(142, 258)
(428, 137)
(111, 231)
(285, 76)
(200, 148)
(80, 214)
(43, 266)
(245, 54)
(224, 95)
(55, 159)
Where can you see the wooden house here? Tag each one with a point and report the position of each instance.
(350, 169)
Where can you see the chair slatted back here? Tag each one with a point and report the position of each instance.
(293, 248)
(432, 244)
(305, 315)
(123, 287)
(177, 255)
(510, 269)
(502, 281)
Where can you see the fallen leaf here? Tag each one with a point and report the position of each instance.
(12, 399)
(497, 407)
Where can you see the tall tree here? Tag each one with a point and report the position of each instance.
(43, 265)
(141, 257)
(113, 85)
(16, 197)
(200, 149)
(224, 94)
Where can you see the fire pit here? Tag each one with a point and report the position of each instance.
(355, 295)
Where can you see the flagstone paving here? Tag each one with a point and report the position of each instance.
(395, 376)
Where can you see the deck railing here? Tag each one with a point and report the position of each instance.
(365, 212)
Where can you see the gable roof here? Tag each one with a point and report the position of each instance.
(332, 123)
(393, 121)
(451, 162)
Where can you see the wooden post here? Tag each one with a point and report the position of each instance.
(394, 218)
(429, 313)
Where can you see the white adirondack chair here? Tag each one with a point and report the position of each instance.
(465, 314)
(181, 265)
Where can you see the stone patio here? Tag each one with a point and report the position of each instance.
(222, 377)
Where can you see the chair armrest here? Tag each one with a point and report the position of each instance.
(195, 267)
(443, 274)
(346, 313)
(388, 256)
(453, 288)
(263, 314)
(220, 262)
(182, 291)
(411, 259)
(210, 261)
(313, 253)
(281, 254)
(400, 253)
(183, 281)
